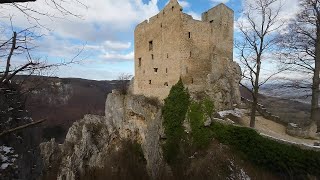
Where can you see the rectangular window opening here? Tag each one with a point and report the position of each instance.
(166, 70)
(189, 35)
(192, 81)
(172, 8)
(139, 64)
(150, 82)
(190, 53)
(167, 55)
(152, 56)
(150, 45)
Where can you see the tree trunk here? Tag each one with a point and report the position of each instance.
(253, 112)
(254, 103)
(317, 114)
(13, 47)
(315, 98)
(315, 85)
(255, 93)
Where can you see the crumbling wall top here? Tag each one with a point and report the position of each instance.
(204, 16)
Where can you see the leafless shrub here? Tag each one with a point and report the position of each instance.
(124, 80)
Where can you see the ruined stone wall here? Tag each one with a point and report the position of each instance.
(221, 19)
(184, 47)
(159, 68)
(196, 65)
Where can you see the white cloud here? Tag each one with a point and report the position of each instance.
(98, 30)
(99, 22)
(288, 11)
(194, 15)
(184, 4)
(90, 72)
(219, 1)
(116, 45)
(118, 57)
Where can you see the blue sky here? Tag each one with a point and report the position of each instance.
(104, 32)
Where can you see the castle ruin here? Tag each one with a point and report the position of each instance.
(172, 45)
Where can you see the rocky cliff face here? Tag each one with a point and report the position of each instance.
(126, 144)
(223, 84)
(91, 141)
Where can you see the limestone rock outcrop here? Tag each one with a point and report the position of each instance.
(223, 84)
(91, 141)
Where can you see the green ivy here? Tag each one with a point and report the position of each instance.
(277, 157)
(283, 159)
(174, 113)
(198, 112)
(208, 106)
(271, 155)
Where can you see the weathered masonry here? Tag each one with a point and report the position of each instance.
(172, 45)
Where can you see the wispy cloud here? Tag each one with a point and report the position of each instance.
(113, 56)
(105, 30)
(194, 15)
(117, 45)
(288, 11)
(184, 4)
(219, 1)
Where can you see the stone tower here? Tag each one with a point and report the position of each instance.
(172, 45)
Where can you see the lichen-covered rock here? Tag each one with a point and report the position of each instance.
(85, 146)
(90, 141)
(223, 84)
(297, 131)
(134, 117)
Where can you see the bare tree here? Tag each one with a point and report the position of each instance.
(21, 45)
(124, 79)
(301, 48)
(257, 41)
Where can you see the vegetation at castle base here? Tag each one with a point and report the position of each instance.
(263, 152)
(208, 106)
(174, 113)
(266, 153)
(279, 158)
(197, 115)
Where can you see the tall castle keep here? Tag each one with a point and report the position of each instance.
(173, 45)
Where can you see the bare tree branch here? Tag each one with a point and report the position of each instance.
(302, 48)
(14, 38)
(15, 1)
(258, 39)
(21, 127)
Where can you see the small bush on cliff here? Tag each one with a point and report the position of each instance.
(174, 113)
(198, 112)
(124, 81)
(208, 107)
(154, 101)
